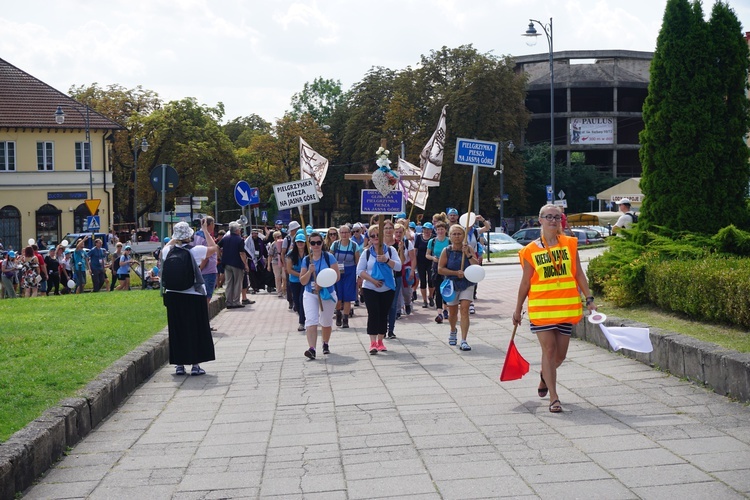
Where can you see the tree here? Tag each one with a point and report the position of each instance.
(129, 108)
(241, 130)
(318, 99)
(689, 149)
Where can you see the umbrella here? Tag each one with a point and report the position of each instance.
(515, 366)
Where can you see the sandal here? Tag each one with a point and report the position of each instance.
(453, 338)
(179, 370)
(542, 391)
(197, 370)
(555, 406)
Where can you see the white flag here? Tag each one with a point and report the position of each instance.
(625, 337)
(416, 191)
(312, 165)
(431, 157)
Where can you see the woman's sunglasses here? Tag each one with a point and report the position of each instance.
(316, 243)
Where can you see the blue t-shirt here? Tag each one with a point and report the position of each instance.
(79, 260)
(296, 267)
(232, 245)
(96, 258)
(124, 268)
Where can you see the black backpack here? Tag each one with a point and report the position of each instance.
(633, 216)
(178, 271)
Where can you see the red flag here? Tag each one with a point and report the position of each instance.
(515, 366)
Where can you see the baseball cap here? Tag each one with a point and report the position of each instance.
(452, 211)
(127, 247)
(412, 224)
(12, 254)
(401, 215)
(624, 201)
(428, 225)
(293, 225)
(279, 222)
(166, 239)
(300, 236)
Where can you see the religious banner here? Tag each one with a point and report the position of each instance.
(431, 157)
(312, 165)
(416, 191)
(592, 130)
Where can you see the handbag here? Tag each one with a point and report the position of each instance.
(447, 291)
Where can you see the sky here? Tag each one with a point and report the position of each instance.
(253, 55)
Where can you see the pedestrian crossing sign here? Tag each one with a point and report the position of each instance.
(92, 223)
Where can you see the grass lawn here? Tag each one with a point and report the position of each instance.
(53, 346)
(731, 337)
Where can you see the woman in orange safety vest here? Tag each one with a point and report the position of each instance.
(553, 281)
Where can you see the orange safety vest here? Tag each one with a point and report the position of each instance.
(553, 296)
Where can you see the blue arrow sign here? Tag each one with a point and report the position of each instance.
(242, 193)
(92, 223)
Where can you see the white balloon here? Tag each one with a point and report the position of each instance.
(64, 243)
(31, 241)
(474, 273)
(472, 219)
(71, 284)
(199, 253)
(326, 277)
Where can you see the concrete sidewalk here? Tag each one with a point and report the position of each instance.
(423, 420)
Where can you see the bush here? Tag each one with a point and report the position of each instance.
(732, 240)
(714, 289)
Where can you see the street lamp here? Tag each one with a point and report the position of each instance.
(60, 119)
(143, 146)
(501, 171)
(531, 35)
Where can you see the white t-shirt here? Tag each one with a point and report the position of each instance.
(625, 221)
(199, 253)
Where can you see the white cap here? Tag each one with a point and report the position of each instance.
(624, 201)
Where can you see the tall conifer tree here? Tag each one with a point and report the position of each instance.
(691, 122)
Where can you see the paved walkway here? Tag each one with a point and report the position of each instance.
(424, 420)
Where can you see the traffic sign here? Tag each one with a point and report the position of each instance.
(296, 193)
(254, 196)
(549, 192)
(172, 179)
(592, 198)
(93, 206)
(242, 193)
(92, 223)
(264, 216)
(561, 194)
(475, 152)
(200, 198)
(375, 203)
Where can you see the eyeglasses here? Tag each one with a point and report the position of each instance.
(316, 243)
(334, 235)
(552, 217)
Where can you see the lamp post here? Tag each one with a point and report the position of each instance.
(60, 119)
(532, 34)
(143, 146)
(501, 171)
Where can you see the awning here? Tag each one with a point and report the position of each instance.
(629, 188)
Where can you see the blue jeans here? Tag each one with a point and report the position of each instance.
(394, 305)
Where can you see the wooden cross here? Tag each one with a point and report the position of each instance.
(368, 177)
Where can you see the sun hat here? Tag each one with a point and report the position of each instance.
(182, 231)
(293, 225)
(300, 237)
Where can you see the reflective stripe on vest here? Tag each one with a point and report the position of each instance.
(553, 296)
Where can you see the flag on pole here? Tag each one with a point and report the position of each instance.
(625, 337)
(515, 365)
(416, 191)
(431, 157)
(312, 165)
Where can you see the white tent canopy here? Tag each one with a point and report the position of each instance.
(629, 188)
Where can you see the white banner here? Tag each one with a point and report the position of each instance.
(431, 157)
(312, 165)
(592, 130)
(296, 193)
(416, 191)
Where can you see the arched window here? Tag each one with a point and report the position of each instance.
(48, 224)
(10, 227)
(79, 218)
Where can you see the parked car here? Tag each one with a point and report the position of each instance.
(603, 230)
(499, 242)
(526, 236)
(587, 236)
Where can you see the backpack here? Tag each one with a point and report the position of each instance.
(178, 272)
(633, 216)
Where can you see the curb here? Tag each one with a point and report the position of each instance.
(724, 371)
(31, 451)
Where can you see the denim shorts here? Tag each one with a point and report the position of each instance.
(210, 281)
